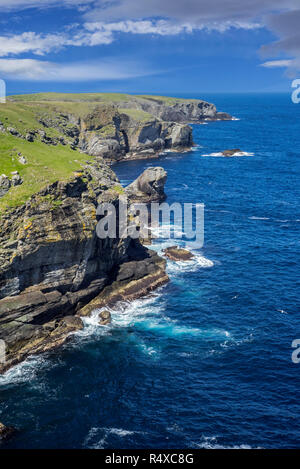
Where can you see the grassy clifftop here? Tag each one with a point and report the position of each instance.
(91, 97)
(46, 163)
(50, 132)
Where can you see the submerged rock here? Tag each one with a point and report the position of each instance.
(178, 254)
(105, 318)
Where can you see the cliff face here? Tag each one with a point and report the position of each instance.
(178, 110)
(53, 264)
(112, 126)
(115, 135)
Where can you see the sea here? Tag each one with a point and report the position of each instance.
(206, 360)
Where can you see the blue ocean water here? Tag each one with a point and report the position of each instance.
(205, 362)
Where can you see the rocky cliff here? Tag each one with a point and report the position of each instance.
(112, 126)
(53, 264)
(177, 110)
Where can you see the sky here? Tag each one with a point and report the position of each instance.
(149, 46)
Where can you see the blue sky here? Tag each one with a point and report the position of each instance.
(154, 46)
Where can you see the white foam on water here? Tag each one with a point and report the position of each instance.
(258, 218)
(237, 342)
(167, 230)
(211, 442)
(230, 342)
(100, 444)
(196, 147)
(174, 267)
(220, 154)
(147, 314)
(26, 371)
(193, 265)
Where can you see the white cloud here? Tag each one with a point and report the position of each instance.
(11, 5)
(104, 19)
(40, 44)
(31, 69)
(98, 33)
(28, 42)
(277, 63)
(194, 12)
(281, 18)
(91, 34)
(163, 27)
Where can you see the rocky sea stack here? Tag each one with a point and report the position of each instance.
(149, 186)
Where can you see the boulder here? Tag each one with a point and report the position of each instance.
(13, 131)
(149, 186)
(16, 179)
(22, 160)
(231, 152)
(30, 137)
(105, 318)
(178, 254)
(5, 184)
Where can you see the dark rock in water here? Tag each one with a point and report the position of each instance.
(105, 318)
(149, 186)
(231, 152)
(6, 432)
(177, 254)
(224, 116)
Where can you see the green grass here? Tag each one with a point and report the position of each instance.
(71, 97)
(24, 117)
(90, 98)
(165, 99)
(45, 164)
(137, 114)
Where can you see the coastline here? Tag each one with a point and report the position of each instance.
(42, 301)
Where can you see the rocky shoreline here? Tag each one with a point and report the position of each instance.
(54, 267)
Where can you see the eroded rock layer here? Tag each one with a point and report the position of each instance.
(53, 264)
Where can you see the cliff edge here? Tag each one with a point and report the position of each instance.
(54, 150)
